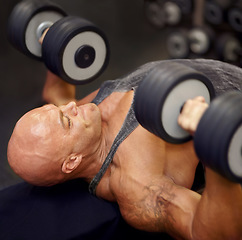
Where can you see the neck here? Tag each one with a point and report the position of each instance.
(92, 162)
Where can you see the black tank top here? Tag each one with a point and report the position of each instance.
(223, 76)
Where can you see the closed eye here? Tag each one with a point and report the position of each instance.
(63, 122)
(69, 121)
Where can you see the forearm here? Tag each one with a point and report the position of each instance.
(219, 212)
(57, 91)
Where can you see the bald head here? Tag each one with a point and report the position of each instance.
(49, 143)
(35, 151)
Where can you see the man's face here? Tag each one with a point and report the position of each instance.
(44, 137)
(77, 126)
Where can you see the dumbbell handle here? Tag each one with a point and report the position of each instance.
(191, 113)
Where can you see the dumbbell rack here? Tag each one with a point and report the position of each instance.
(199, 28)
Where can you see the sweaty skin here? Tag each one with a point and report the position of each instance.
(150, 179)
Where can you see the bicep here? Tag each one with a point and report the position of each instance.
(163, 207)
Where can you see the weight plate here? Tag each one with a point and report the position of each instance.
(218, 139)
(213, 13)
(228, 48)
(28, 21)
(76, 50)
(173, 13)
(235, 19)
(185, 6)
(155, 13)
(171, 87)
(177, 44)
(199, 41)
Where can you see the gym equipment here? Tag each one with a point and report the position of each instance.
(161, 95)
(177, 44)
(200, 39)
(186, 6)
(161, 13)
(214, 13)
(28, 21)
(235, 16)
(229, 48)
(218, 138)
(73, 48)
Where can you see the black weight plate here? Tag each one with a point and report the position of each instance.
(177, 44)
(228, 47)
(76, 50)
(213, 13)
(24, 22)
(161, 95)
(218, 139)
(235, 19)
(186, 6)
(155, 14)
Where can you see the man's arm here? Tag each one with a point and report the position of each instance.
(59, 92)
(164, 206)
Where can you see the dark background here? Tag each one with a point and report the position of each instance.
(133, 42)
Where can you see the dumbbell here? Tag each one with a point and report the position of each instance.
(171, 86)
(162, 12)
(214, 12)
(200, 39)
(177, 44)
(235, 16)
(218, 138)
(229, 48)
(73, 48)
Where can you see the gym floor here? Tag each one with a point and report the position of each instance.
(133, 41)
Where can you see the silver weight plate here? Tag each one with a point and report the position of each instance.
(183, 91)
(91, 39)
(173, 13)
(199, 41)
(36, 27)
(235, 153)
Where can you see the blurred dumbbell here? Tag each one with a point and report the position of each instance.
(218, 139)
(214, 12)
(229, 48)
(180, 42)
(171, 86)
(161, 13)
(235, 16)
(186, 6)
(177, 44)
(200, 39)
(73, 48)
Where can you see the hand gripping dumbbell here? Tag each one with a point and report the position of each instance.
(73, 48)
(218, 138)
(171, 86)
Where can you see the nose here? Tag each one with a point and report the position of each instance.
(70, 108)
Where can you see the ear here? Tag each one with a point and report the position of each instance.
(71, 163)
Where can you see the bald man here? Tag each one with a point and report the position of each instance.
(99, 140)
